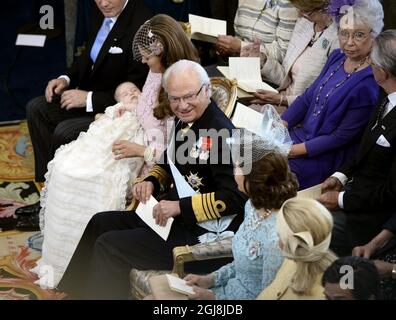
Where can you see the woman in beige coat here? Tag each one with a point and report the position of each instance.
(313, 40)
(304, 227)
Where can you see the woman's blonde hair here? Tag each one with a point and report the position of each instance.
(304, 227)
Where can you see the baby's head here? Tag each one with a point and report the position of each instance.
(127, 93)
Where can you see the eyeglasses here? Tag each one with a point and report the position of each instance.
(187, 98)
(357, 36)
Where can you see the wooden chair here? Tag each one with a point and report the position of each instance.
(140, 287)
(212, 250)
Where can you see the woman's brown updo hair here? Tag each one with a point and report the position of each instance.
(270, 182)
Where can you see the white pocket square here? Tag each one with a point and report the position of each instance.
(115, 50)
(383, 142)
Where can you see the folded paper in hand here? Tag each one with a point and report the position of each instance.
(145, 212)
(206, 29)
(247, 72)
(312, 192)
(179, 285)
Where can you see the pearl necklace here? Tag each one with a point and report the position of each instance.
(318, 109)
(258, 216)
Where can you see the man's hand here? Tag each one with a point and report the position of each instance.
(126, 149)
(365, 251)
(206, 281)
(384, 268)
(331, 184)
(228, 45)
(264, 97)
(202, 294)
(55, 86)
(330, 200)
(164, 210)
(74, 99)
(142, 191)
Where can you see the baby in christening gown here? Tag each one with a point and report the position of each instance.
(84, 178)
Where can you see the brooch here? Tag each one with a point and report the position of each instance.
(254, 250)
(325, 43)
(272, 3)
(194, 181)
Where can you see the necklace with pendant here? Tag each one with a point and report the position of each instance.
(318, 109)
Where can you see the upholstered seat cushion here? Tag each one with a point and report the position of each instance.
(140, 287)
(224, 93)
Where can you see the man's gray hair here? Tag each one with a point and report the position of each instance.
(384, 51)
(369, 13)
(182, 66)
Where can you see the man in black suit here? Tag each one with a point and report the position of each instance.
(365, 189)
(72, 100)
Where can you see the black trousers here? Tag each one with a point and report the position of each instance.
(50, 126)
(115, 242)
(340, 242)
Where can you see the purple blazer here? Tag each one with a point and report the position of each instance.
(331, 120)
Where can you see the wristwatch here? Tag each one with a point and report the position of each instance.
(394, 271)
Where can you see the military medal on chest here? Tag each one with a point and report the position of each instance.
(201, 148)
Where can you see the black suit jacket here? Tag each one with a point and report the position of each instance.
(370, 194)
(111, 69)
(391, 224)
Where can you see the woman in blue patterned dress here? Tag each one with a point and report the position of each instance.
(255, 248)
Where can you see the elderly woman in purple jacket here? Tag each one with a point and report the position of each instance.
(326, 122)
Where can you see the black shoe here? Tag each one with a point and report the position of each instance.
(32, 209)
(28, 223)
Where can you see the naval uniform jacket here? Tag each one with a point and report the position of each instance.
(218, 192)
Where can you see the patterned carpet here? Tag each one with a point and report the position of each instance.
(18, 250)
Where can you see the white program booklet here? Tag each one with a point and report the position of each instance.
(145, 212)
(312, 192)
(248, 74)
(206, 29)
(247, 118)
(179, 285)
